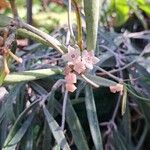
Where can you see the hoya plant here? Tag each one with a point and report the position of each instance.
(89, 91)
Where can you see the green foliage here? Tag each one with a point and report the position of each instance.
(31, 111)
(118, 12)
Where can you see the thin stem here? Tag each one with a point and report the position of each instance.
(42, 34)
(79, 24)
(116, 109)
(89, 81)
(69, 19)
(109, 74)
(64, 110)
(128, 65)
(18, 59)
(14, 8)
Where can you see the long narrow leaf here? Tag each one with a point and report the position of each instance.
(100, 81)
(56, 130)
(92, 118)
(75, 127)
(19, 134)
(92, 12)
(18, 122)
(30, 75)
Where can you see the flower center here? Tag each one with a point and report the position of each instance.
(73, 56)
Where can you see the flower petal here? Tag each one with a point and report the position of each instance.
(70, 87)
(79, 67)
(71, 78)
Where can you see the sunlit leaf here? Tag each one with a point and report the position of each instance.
(30, 75)
(92, 11)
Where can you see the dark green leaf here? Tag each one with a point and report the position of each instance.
(92, 118)
(56, 130)
(19, 134)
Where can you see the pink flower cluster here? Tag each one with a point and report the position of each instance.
(77, 64)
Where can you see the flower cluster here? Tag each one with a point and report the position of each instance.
(77, 63)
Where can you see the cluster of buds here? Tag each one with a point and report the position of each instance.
(5, 52)
(77, 63)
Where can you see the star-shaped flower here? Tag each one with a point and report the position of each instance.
(73, 55)
(79, 67)
(71, 78)
(89, 59)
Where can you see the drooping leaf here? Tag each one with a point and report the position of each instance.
(75, 127)
(17, 124)
(30, 75)
(56, 130)
(100, 80)
(92, 118)
(19, 134)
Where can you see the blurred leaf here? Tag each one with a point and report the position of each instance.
(134, 6)
(119, 141)
(30, 75)
(56, 130)
(125, 126)
(121, 10)
(144, 5)
(92, 11)
(4, 20)
(17, 124)
(100, 81)
(10, 100)
(92, 118)
(3, 131)
(29, 140)
(75, 127)
(19, 134)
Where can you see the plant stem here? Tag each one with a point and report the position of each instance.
(64, 110)
(14, 8)
(69, 19)
(79, 24)
(109, 74)
(89, 81)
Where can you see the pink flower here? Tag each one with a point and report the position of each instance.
(89, 59)
(71, 78)
(73, 55)
(117, 88)
(70, 87)
(79, 67)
